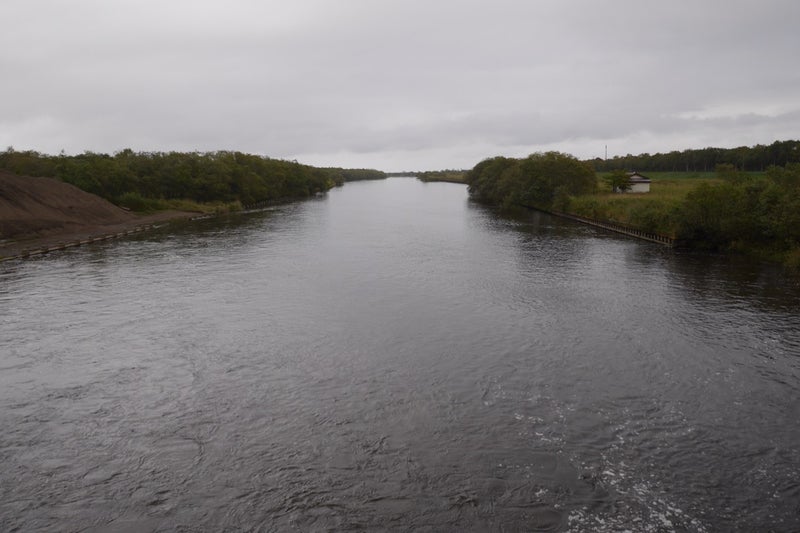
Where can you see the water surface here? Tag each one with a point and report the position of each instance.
(394, 357)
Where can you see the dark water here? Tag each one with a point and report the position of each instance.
(392, 357)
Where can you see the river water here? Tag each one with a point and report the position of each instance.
(394, 357)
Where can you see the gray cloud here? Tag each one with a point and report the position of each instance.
(397, 84)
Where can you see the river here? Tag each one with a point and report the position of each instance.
(392, 356)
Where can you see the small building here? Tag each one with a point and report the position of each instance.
(638, 183)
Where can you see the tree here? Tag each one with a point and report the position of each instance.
(535, 181)
(727, 172)
(618, 181)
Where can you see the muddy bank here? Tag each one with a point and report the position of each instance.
(43, 213)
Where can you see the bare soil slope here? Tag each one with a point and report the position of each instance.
(45, 206)
(37, 212)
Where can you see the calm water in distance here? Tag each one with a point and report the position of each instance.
(395, 357)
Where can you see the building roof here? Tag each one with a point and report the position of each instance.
(635, 177)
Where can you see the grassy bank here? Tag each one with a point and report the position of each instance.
(755, 213)
(656, 211)
(139, 204)
(448, 176)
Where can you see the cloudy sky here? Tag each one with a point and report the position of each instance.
(398, 84)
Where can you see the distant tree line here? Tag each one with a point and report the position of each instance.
(543, 180)
(131, 178)
(449, 176)
(355, 174)
(751, 159)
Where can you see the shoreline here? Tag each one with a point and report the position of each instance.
(34, 245)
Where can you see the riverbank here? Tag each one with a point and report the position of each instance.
(623, 229)
(743, 213)
(368, 337)
(31, 245)
(43, 214)
(446, 176)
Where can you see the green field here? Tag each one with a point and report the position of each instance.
(449, 176)
(752, 212)
(681, 176)
(654, 211)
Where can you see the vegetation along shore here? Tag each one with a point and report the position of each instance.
(744, 200)
(47, 202)
(731, 209)
(157, 180)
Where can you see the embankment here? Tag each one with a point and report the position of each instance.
(43, 214)
(623, 229)
(614, 227)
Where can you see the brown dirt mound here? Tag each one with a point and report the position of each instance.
(41, 212)
(44, 206)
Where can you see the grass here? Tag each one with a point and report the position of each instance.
(449, 176)
(139, 204)
(681, 176)
(205, 208)
(661, 211)
(654, 211)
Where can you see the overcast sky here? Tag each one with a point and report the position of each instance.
(398, 84)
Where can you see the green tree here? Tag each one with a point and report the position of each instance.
(483, 179)
(539, 180)
(544, 173)
(618, 181)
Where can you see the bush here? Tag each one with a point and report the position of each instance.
(136, 202)
(654, 217)
(540, 180)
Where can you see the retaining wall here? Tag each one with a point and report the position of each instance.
(80, 242)
(617, 228)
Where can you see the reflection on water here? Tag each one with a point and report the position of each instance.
(395, 357)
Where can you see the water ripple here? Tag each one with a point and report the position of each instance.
(394, 357)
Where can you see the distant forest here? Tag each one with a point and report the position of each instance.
(139, 180)
(746, 159)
